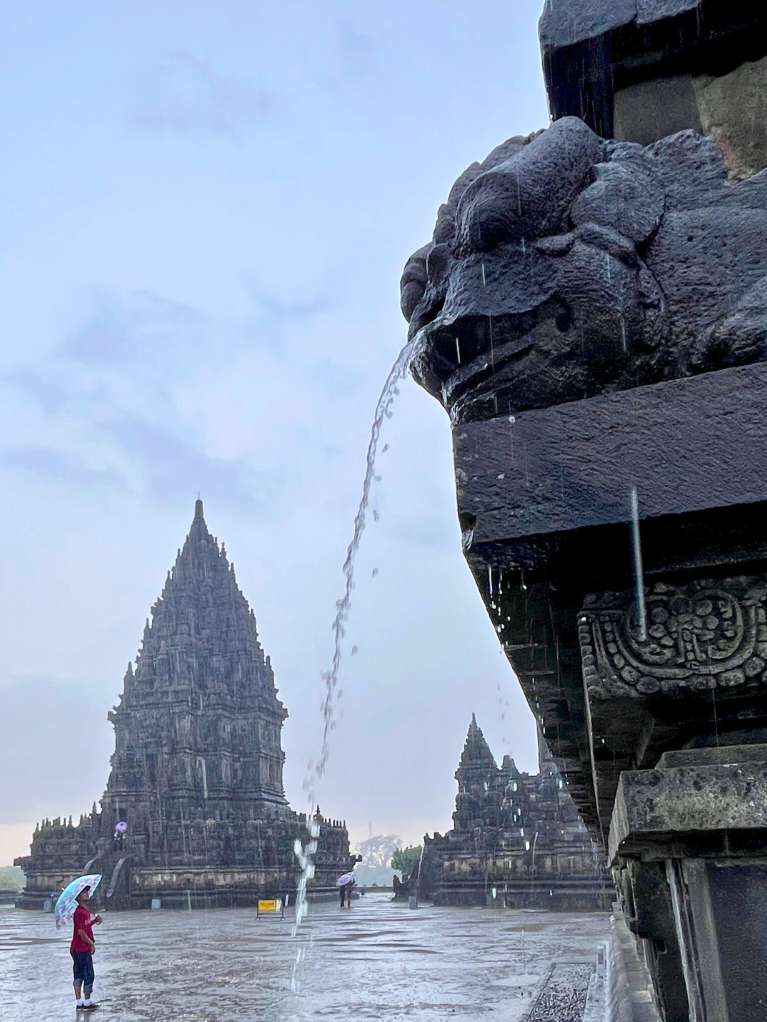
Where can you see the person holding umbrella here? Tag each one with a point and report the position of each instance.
(72, 905)
(82, 949)
(349, 889)
(345, 884)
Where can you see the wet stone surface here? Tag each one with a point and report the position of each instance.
(379, 960)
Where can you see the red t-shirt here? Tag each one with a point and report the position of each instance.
(82, 921)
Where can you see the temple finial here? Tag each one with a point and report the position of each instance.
(198, 512)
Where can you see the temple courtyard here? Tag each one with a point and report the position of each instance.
(379, 960)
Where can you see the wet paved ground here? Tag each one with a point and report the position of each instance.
(379, 960)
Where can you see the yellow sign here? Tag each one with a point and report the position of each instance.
(272, 905)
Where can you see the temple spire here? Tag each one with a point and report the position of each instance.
(476, 758)
(475, 748)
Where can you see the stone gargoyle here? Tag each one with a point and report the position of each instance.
(565, 265)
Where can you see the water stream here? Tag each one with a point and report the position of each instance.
(305, 852)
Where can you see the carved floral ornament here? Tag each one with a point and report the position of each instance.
(705, 635)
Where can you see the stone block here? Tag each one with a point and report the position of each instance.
(650, 110)
(594, 50)
(685, 445)
(733, 110)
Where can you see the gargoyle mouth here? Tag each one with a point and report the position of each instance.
(487, 368)
(481, 359)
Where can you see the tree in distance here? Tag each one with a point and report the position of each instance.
(406, 859)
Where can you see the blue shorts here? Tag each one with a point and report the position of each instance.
(82, 967)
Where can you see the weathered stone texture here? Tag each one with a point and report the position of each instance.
(639, 69)
(733, 110)
(577, 266)
(573, 466)
(691, 800)
(565, 22)
(650, 110)
(592, 313)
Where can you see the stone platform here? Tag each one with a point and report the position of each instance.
(378, 959)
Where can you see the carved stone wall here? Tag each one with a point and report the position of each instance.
(591, 311)
(705, 634)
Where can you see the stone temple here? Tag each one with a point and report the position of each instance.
(197, 769)
(517, 840)
(591, 311)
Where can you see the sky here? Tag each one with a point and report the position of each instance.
(207, 211)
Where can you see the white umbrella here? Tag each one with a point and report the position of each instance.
(345, 879)
(67, 902)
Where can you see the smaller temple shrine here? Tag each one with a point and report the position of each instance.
(517, 840)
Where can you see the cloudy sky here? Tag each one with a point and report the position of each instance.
(207, 209)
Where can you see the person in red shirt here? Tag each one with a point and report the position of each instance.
(82, 950)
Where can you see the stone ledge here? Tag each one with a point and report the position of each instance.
(573, 466)
(629, 988)
(663, 804)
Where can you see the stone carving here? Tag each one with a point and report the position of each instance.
(708, 634)
(592, 312)
(565, 265)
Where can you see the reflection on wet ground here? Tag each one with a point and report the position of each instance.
(379, 960)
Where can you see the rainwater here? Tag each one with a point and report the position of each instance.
(378, 960)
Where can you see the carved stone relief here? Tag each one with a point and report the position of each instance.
(708, 634)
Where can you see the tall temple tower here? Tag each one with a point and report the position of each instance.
(199, 722)
(196, 775)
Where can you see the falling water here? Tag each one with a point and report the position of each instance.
(638, 569)
(418, 878)
(305, 852)
(201, 765)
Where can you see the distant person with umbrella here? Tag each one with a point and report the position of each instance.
(120, 828)
(72, 906)
(345, 884)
